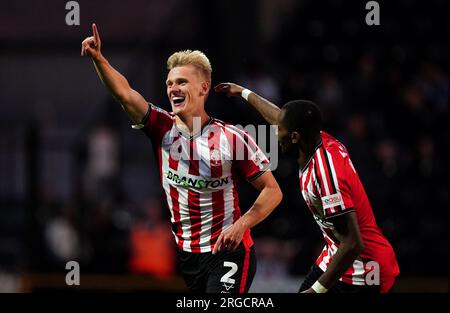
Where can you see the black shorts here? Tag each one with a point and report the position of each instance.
(315, 272)
(224, 272)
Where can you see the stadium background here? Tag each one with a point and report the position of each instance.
(77, 183)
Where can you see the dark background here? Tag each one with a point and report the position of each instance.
(77, 183)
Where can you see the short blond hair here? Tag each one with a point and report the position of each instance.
(195, 58)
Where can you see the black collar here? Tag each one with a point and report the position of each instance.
(194, 136)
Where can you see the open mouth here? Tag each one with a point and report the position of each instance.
(178, 101)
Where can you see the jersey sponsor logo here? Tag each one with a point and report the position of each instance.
(190, 182)
(332, 200)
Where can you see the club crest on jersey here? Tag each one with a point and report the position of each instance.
(215, 157)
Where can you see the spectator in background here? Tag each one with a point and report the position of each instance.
(102, 169)
(152, 248)
(61, 235)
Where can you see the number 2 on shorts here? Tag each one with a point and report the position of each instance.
(227, 277)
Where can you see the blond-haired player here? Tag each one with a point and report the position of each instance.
(201, 159)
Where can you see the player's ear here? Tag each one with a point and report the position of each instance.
(295, 137)
(206, 85)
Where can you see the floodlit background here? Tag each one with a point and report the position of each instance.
(77, 183)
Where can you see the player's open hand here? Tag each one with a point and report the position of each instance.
(230, 239)
(91, 45)
(230, 89)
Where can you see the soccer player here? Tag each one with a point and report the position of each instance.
(200, 160)
(355, 249)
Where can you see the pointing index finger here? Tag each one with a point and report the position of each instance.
(95, 32)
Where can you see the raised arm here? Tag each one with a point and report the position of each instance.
(132, 102)
(267, 109)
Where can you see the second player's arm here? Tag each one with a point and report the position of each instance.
(351, 245)
(269, 197)
(267, 109)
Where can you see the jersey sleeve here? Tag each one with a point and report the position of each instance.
(155, 123)
(249, 160)
(335, 173)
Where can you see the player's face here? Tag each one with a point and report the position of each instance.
(284, 138)
(187, 90)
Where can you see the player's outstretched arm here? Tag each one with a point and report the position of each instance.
(269, 198)
(132, 102)
(267, 109)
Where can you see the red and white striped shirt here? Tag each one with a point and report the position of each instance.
(331, 186)
(199, 175)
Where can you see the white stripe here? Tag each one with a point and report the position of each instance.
(303, 180)
(325, 260)
(204, 153)
(183, 167)
(225, 148)
(322, 172)
(333, 173)
(205, 197)
(315, 180)
(205, 233)
(228, 195)
(228, 207)
(324, 177)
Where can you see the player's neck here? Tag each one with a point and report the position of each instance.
(307, 150)
(192, 124)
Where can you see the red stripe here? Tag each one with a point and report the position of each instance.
(313, 182)
(218, 215)
(176, 216)
(322, 256)
(218, 201)
(173, 163)
(232, 141)
(231, 138)
(174, 195)
(319, 175)
(236, 209)
(215, 152)
(195, 218)
(193, 158)
(194, 199)
(245, 268)
(305, 187)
